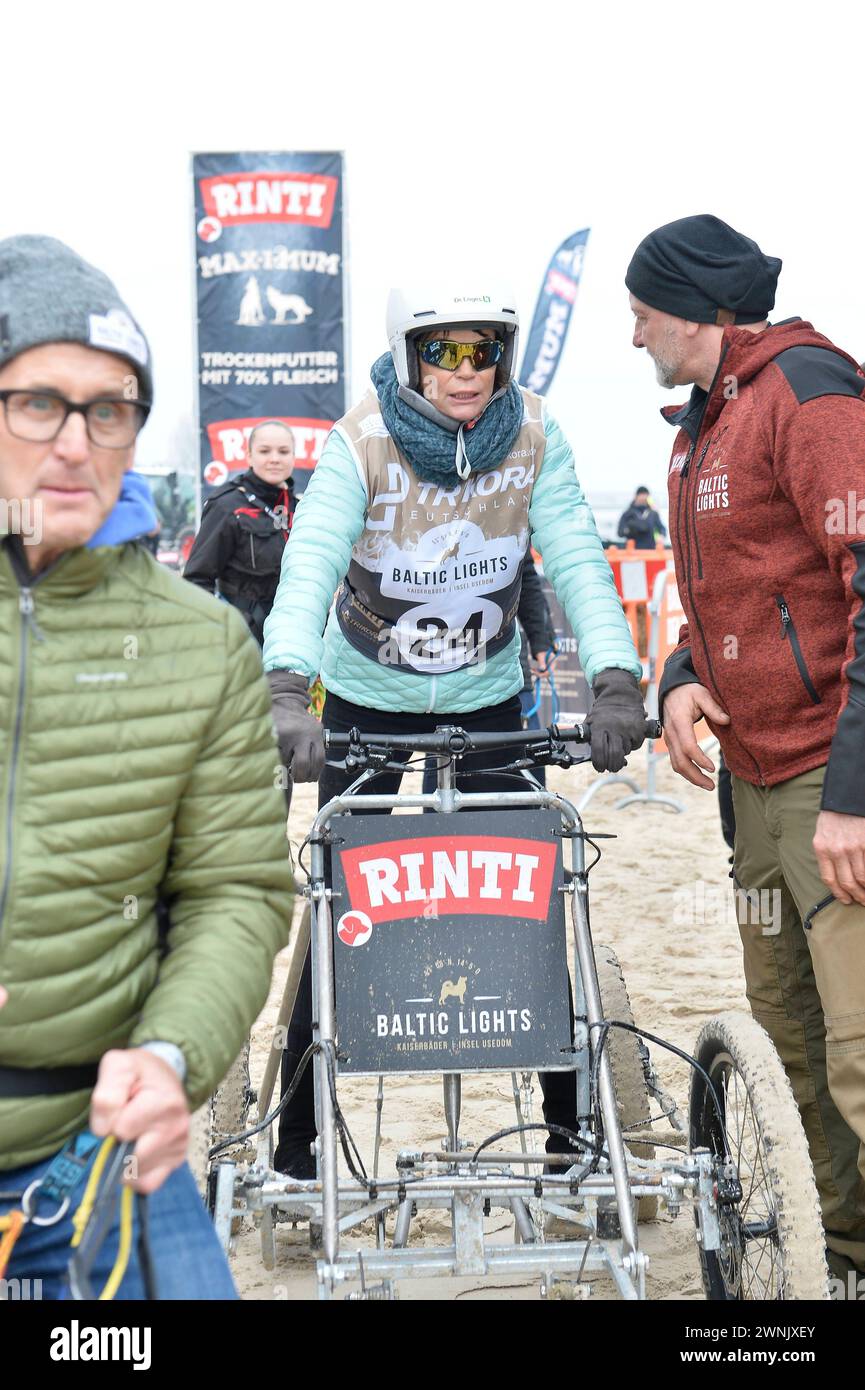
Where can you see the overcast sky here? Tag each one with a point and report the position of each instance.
(475, 135)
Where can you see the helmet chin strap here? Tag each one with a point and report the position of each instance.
(426, 408)
(463, 466)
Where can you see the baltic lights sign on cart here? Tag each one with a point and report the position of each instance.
(449, 943)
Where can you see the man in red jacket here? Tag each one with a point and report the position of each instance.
(767, 523)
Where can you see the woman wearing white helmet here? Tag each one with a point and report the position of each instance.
(420, 512)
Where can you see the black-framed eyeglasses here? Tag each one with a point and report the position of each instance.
(39, 416)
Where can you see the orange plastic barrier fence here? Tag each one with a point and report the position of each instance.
(635, 572)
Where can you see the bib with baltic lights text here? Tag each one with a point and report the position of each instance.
(434, 580)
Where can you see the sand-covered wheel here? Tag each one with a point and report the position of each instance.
(200, 1130)
(772, 1242)
(626, 1062)
(224, 1114)
(232, 1098)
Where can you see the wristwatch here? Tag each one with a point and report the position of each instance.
(170, 1053)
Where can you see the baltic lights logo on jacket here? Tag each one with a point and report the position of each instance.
(235, 199)
(480, 875)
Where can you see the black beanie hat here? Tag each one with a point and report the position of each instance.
(700, 269)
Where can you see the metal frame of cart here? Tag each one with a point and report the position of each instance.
(600, 1203)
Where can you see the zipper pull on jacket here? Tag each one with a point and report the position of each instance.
(785, 618)
(27, 608)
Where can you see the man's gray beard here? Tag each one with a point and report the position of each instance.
(667, 366)
(665, 373)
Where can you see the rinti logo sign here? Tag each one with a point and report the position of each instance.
(235, 199)
(228, 443)
(477, 874)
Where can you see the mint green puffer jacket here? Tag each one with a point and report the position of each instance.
(330, 518)
(136, 757)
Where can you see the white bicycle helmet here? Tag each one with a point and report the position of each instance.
(417, 309)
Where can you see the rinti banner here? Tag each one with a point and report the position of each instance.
(269, 252)
(449, 942)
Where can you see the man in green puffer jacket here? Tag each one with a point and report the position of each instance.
(137, 761)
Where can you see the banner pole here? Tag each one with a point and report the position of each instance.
(193, 291)
(347, 394)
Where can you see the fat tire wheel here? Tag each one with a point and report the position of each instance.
(231, 1099)
(200, 1130)
(772, 1242)
(629, 1079)
(224, 1113)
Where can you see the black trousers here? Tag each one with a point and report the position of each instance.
(476, 773)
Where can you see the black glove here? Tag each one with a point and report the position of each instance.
(300, 735)
(617, 719)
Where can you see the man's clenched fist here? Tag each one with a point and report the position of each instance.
(139, 1097)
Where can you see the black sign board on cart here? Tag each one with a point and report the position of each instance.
(449, 942)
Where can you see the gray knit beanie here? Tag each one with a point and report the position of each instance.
(48, 294)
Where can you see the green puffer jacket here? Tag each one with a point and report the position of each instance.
(136, 757)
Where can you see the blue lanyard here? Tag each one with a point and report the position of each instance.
(61, 1178)
(554, 694)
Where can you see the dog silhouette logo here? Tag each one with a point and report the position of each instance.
(283, 304)
(354, 928)
(215, 473)
(251, 311)
(210, 229)
(449, 990)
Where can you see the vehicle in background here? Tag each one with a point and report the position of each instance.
(174, 496)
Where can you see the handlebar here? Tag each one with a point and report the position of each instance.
(450, 739)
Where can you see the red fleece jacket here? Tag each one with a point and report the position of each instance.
(767, 523)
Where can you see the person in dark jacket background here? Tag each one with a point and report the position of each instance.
(245, 525)
(640, 522)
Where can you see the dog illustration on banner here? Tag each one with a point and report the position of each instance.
(450, 990)
(287, 304)
(252, 313)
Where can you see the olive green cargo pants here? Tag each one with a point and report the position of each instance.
(806, 986)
